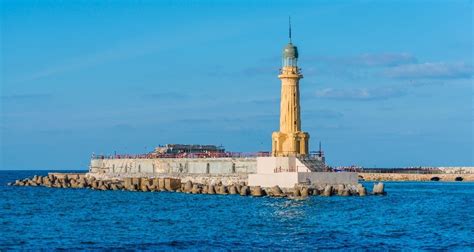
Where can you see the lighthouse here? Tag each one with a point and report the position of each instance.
(290, 140)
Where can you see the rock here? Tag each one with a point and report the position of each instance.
(296, 192)
(340, 189)
(304, 192)
(156, 184)
(238, 187)
(244, 191)
(315, 192)
(276, 191)
(257, 191)
(378, 189)
(222, 189)
(361, 190)
(136, 183)
(327, 191)
(188, 187)
(172, 184)
(146, 184)
(161, 184)
(233, 189)
(346, 192)
(127, 182)
(196, 189)
(211, 190)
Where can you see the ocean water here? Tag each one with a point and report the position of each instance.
(413, 216)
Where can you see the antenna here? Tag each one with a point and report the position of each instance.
(289, 27)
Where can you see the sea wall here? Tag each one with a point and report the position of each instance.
(135, 167)
(416, 177)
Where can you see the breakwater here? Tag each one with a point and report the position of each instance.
(145, 184)
(468, 177)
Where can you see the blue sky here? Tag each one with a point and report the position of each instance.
(386, 83)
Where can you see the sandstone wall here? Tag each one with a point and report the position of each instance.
(155, 167)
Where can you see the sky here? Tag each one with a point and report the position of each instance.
(386, 83)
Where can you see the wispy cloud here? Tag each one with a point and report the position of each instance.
(431, 70)
(362, 94)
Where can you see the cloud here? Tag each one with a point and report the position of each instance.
(362, 94)
(431, 70)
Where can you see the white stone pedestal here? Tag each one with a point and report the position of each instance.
(285, 172)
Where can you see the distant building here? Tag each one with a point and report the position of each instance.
(188, 148)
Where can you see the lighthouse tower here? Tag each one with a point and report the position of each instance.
(290, 140)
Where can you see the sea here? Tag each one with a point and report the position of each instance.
(412, 216)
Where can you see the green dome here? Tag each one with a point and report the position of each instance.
(290, 51)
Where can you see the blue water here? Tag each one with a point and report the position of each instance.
(425, 216)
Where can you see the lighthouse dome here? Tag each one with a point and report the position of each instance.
(290, 51)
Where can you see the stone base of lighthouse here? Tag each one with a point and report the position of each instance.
(290, 144)
(286, 172)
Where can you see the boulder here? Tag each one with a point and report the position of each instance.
(346, 192)
(315, 192)
(127, 182)
(156, 184)
(304, 192)
(244, 191)
(161, 184)
(379, 189)
(211, 190)
(233, 189)
(145, 184)
(238, 187)
(172, 184)
(340, 189)
(136, 182)
(196, 189)
(276, 191)
(327, 191)
(296, 192)
(222, 189)
(361, 190)
(188, 187)
(257, 191)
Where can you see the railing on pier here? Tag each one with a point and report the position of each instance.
(400, 170)
(185, 155)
